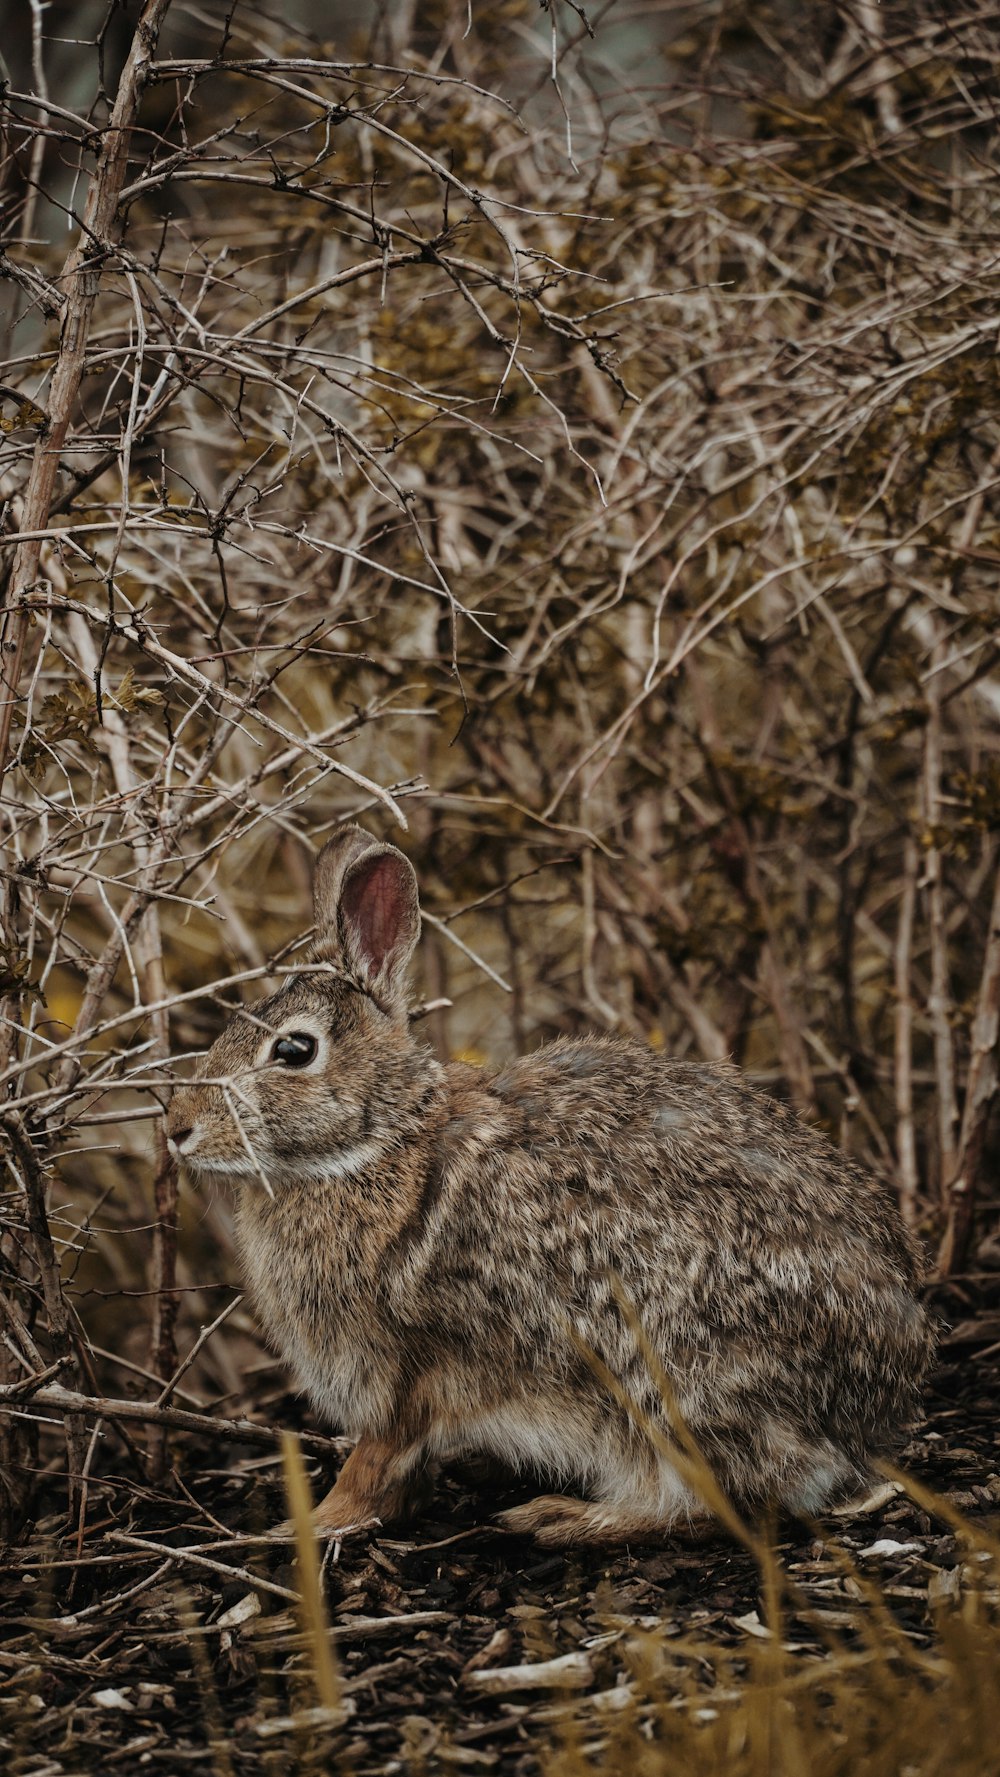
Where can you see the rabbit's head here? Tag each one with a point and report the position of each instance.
(316, 1081)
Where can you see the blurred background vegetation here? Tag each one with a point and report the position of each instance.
(567, 443)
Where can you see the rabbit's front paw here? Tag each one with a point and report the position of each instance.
(322, 1527)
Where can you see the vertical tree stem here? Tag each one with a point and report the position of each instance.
(906, 1144)
(81, 277)
(939, 1004)
(980, 1092)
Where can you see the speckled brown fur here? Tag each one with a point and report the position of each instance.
(441, 1248)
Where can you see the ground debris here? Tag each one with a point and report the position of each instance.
(455, 1643)
(568, 1671)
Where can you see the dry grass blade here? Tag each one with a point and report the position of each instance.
(323, 1662)
(222, 1763)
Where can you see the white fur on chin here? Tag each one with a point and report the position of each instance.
(325, 1170)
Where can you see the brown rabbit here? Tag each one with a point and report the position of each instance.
(440, 1253)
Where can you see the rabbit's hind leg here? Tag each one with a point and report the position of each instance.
(559, 1522)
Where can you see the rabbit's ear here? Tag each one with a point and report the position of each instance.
(348, 843)
(379, 920)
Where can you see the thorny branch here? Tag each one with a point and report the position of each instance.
(601, 488)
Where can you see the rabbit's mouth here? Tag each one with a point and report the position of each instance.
(189, 1146)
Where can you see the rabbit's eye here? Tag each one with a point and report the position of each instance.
(295, 1050)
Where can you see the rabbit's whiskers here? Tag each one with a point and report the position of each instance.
(230, 1090)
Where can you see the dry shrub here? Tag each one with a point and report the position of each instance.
(569, 446)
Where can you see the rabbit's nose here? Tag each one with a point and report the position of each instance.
(181, 1120)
